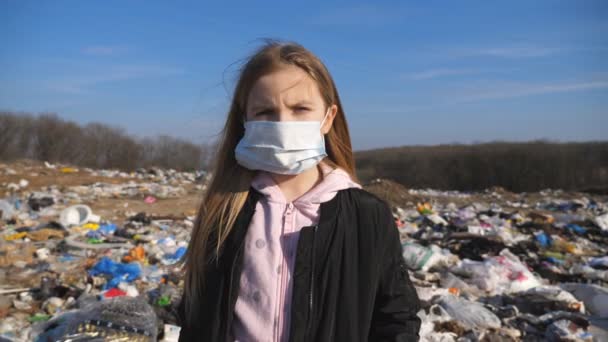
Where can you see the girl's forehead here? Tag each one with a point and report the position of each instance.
(287, 84)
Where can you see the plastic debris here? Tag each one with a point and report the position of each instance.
(77, 215)
(490, 265)
(602, 221)
(422, 258)
(114, 292)
(500, 274)
(171, 333)
(172, 258)
(150, 199)
(117, 271)
(469, 314)
(116, 319)
(566, 330)
(526, 259)
(135, 254)
(594, 297)
(7, 210)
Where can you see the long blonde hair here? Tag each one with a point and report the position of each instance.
(229, 186)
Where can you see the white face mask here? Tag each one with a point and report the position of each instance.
(283, 147)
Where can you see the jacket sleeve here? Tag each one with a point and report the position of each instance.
(397, 303)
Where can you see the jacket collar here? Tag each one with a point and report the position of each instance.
(328, 209)
(328, 213)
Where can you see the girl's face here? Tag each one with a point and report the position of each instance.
(288, 94)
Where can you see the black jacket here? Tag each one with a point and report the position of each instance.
(350, 282)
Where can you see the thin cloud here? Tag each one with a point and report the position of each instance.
(101, 50)
(528, 51)
(85, 83)
(520, 90)
(436, 73)
(486, 92)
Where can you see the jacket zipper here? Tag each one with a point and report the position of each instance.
(312, 276)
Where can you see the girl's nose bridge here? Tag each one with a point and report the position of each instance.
(283, 113)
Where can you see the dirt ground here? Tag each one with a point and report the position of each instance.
(40, 177)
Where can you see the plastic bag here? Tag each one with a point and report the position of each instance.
(427, 328)
(7, 210)
(599, 262)
(171, 259)
(504, 273)
(602, 221)
(171, 333)
(470, 314)
(546, 293)
(114, 319)
(118, 271)
(594, 297)
(422, 258)
(107, 229)
(566, 330)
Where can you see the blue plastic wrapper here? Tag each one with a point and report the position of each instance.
(107, 229)
(543, 239)
(171, 259)
(92, 234)
(118, 271)
(576, 228)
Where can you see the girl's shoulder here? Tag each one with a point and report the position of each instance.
(366, 199)
(368, 205)
(371, 219)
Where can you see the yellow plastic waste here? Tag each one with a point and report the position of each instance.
(91, 226)
(68, 170)
(15, 236)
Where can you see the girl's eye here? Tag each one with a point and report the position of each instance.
(262, 112)
(302, 108)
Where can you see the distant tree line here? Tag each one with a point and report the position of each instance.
(49, 138)
(518, 167)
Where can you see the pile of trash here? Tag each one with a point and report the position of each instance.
(508, 266)
(69, 273)
(79, 260)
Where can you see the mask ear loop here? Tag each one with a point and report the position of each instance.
(323, 121)
(323, 139)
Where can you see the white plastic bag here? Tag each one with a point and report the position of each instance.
(602, 221)
(504, 273)
(470, 314)
(422, 258)
(594, 297)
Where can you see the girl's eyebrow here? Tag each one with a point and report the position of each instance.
(302, 103)
(262, 105)
(258, 106)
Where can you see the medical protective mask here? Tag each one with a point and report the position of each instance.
(283, 147)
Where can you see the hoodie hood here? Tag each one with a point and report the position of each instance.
(333, 180)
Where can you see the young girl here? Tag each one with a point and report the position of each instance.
(287, 246)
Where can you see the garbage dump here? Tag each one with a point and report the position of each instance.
(497, 265)
(91, 255)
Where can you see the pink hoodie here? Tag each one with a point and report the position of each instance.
(263, 306)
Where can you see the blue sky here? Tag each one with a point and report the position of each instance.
(408, 73)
